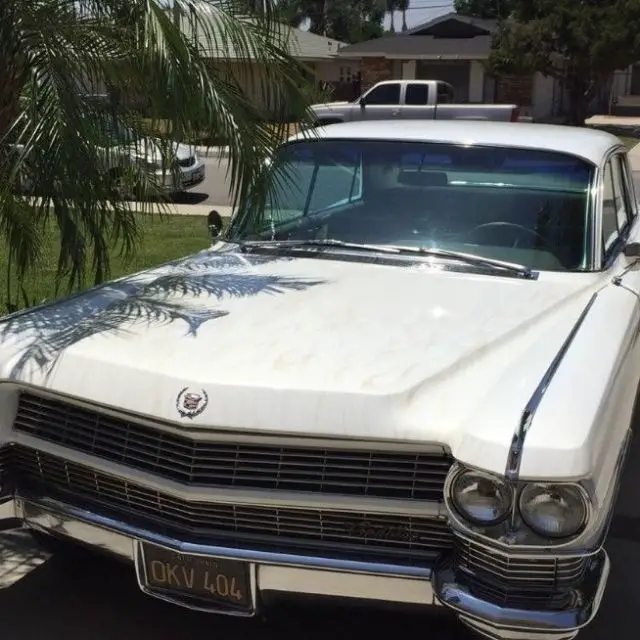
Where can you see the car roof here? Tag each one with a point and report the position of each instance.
(589, 144)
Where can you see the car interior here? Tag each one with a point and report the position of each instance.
(513, 212)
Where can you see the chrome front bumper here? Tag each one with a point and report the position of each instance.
(294, 575)
(183, 179)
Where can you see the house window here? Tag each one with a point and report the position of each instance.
(347, 74)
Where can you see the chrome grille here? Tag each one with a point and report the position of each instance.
(399, 539)
(405, 475)
(519, 581)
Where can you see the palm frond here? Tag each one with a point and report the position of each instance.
(191, 292)
(55, 50)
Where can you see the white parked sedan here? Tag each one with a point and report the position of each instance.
(169, 166)
(409, 377)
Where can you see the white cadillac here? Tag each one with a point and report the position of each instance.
(408, 376)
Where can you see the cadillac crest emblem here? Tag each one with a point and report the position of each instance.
(190, 404)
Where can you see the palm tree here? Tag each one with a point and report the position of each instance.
(53, 51)
(403, 7)
(392, 5)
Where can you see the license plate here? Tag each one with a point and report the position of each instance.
(212, 584)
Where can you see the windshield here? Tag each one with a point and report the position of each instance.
(524, 206)
(111, 130)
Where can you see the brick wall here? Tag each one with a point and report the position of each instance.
(516, 89)
(374, 70)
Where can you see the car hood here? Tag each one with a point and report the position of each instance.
(152, 150)
(334, 348)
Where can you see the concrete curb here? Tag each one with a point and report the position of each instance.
(177, 209)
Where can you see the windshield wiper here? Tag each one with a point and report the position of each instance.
(470, 258)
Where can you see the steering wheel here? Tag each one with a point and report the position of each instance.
(516, 228)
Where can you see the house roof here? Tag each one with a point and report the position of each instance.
(301, 44)
(486, 25)
(449, 36)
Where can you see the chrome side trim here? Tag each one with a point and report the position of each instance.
(514, 457)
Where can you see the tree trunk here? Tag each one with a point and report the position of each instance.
(12, 80)
(580, 91)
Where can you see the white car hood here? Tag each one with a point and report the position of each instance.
(330, 348)
(151, 150)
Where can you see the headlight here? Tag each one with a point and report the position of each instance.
(553, 510)
(481, 498)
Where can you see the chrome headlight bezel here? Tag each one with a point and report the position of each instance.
(500, 485)
(572, 490)
(512, 532)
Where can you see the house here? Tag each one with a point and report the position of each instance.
(317, 53)
(625, 92)
(454, 48)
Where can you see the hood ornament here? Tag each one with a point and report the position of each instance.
(190, 404)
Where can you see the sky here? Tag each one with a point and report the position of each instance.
(420, 11)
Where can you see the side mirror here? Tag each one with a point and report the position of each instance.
(214, 223)
(363, 101)
(632, 250)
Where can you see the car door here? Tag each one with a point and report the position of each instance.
(382, 102)
(418, 103)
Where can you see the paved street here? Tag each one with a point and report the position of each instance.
(89, 597)
(215, 188)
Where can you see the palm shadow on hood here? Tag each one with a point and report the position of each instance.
(187, 290)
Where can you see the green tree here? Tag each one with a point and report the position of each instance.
(580, 42)
(53, 51)
(488, 9)
(345, 20)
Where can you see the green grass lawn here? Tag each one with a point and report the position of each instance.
(163, 238)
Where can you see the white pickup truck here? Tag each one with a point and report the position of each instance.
(410, 100)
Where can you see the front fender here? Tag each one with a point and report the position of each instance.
(582, 420)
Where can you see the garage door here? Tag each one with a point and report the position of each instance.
(455, 73)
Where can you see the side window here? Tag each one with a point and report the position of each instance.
(609, 217)
(629, 191)
(384, 94)
(445, 94)
(417, 94)
(621, 197)
(615, 203)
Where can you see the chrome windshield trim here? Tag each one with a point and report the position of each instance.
(514, 458)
